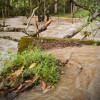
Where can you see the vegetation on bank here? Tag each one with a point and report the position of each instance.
(80, 13)
(31, 66)
(49, 43)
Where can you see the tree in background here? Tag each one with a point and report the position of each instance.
(46, 7)
(93, 6)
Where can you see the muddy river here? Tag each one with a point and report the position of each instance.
(81, 79)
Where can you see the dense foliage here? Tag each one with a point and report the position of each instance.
(25, 7)
(10, 8)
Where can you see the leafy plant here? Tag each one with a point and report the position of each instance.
(95, 44)
(36, 63)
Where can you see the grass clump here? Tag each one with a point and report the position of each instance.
(37, 63)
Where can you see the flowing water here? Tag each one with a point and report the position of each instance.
(81, 80)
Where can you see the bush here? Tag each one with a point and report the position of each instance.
(36, 63)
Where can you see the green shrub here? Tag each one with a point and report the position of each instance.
(47, 68)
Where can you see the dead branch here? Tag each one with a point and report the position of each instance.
(42, 28)
(31, 16)
(36, 21)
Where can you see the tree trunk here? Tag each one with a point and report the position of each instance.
(64, 9)
(30, 5)
(38, 11)
(44, 10)
(24, 7)
(2, 13)
(55, 7)
(6, 8)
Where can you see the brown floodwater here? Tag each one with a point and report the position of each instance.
(81, 80)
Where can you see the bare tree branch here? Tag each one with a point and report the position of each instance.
(31, 16)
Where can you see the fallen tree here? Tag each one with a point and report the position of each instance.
(11, 29)
(86, 33)
(91, 18)
(76, 31)
(9, 38)
(34, 34)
